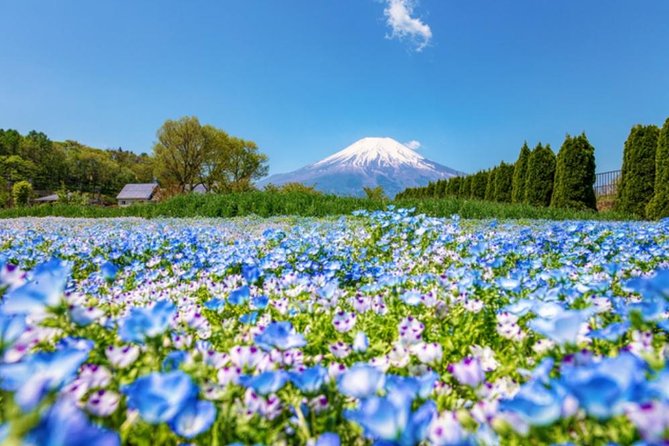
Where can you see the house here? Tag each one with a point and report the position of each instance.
(136, 193)
(47, 199)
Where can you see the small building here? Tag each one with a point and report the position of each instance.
(136, 193)
(47, 199)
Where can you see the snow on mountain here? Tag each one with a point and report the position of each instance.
(369, 162)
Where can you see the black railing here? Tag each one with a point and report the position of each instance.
(606, 183)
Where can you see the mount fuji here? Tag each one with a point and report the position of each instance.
(369, 162)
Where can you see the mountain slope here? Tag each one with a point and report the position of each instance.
(369, 162)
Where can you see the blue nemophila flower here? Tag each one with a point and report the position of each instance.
(562, 328)
(266, 382)
(109, 271)
(535, 403)
(239, 296)
(144, 323)
(390, 419)
(37, 374)
(250, 272)
(11, 327)
(280, 335)
(411, 297)
(602, 388)
(65, 425)
(360, 342)
(196, 418)
(260, 302)
(309, 380)
(611, 332)
(361, 381)
(160, 397)
(328, 439)
(43, 289)
(653, 287)
(174, 360)
(215, 304)
(249, 318)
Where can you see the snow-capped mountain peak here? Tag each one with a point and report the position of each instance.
(369, 162)
(375, 151)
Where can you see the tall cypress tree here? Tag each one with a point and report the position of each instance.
(490, 185)
(540, 176)
(575, 175)
(659, 205)
(520, 175)
(637, 181)
(503, 183)
(479, 183)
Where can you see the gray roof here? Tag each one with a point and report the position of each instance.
(137, 191)
(200, 189)
(53, 197)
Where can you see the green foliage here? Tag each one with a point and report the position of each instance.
(658, 207)
(637, 181)
(21, 193)
(575, 175)
(540, 175)
(518, 191)
(292, 188)
(503, 183)
(273, 203)
(375, 193)
(479, 184)
(490, 185)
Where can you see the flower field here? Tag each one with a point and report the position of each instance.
(378, 328)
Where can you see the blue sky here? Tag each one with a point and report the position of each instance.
(469, 79)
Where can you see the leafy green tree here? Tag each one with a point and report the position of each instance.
(637, 181)
(540, 176)
(520, 175)
(14, 168)
(10, 141)
(659, 205)
(479, 184)
(575, 175)
(490, 185)
(181, 152)
(503, 183)
(21, 193)
(453, 187)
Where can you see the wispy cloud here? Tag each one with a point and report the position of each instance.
(413, 144)
(399, 17)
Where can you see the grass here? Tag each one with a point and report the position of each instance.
(266, 204)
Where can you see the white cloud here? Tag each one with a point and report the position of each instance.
(403, 26)
(413, 144)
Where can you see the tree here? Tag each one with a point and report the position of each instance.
(13, 168)
(659, 205)
(181, 152)
(375, 193)
(490, 185)
(21, 193)
(637, 181)
(575, 175)
(540, 176)
(503, 183)
(520, 175)
(479, 184)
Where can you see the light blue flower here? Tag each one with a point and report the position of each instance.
(37, 374)
(109, 271)
(239, 296)
(563, 328)
(196, 418)
(160, 397)
(411, 297)
(65, 425)
(280, 335)
(535, 403)
(250, 272)
(266, 382)
(144, 323)
(360, 381)
(11, 328)
(611, 332)
(260, 302)
(43, 289)
(310, 380)
(360, 342)
(328, 439)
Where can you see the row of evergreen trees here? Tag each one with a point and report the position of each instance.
(537, 178)
(643, 189)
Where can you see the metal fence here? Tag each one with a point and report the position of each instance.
(606, 183)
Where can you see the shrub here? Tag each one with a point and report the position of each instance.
(659, 205)
(540, 176)
(21, 193)
(520, 175)
(637, 181)
(575, 175)
(503, 183)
